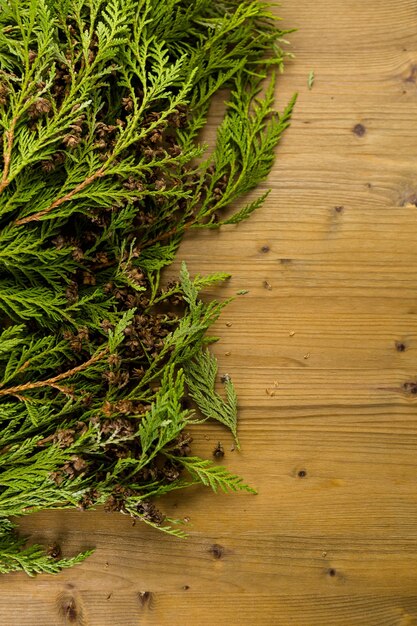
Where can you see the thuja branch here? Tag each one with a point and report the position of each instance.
(59, 201)
(101, 106)
(53, 382)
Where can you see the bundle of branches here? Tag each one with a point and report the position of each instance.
(101, 173)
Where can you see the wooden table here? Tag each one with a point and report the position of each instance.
(320, 349)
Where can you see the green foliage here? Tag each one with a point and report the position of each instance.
(201, 374)
(214, 476)
(14, 556)
(101, 174)
(165, 419)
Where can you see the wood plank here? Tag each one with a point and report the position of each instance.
(319, 348)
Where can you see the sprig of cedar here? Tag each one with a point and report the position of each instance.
(101, 173)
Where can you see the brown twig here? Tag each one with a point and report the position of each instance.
(59, 201)
(8, 155)
(67, 391)
(52, 382)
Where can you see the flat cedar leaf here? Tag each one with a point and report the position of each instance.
(32, 412)
(214, 476)
(10, 338)
(247, 210)
(157, 257)
(188, 287)
(116, 336)
(200, 376)
(15, 556)
(201, 282)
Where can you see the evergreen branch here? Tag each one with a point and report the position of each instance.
(200, 376)
(247, 210)
(52, 382)
(32, 560)
(214, 476)
(66, 198)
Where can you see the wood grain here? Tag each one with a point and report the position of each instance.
(320, 349)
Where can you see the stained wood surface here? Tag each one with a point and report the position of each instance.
(319, 353)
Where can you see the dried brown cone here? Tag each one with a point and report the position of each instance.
(39, 108)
